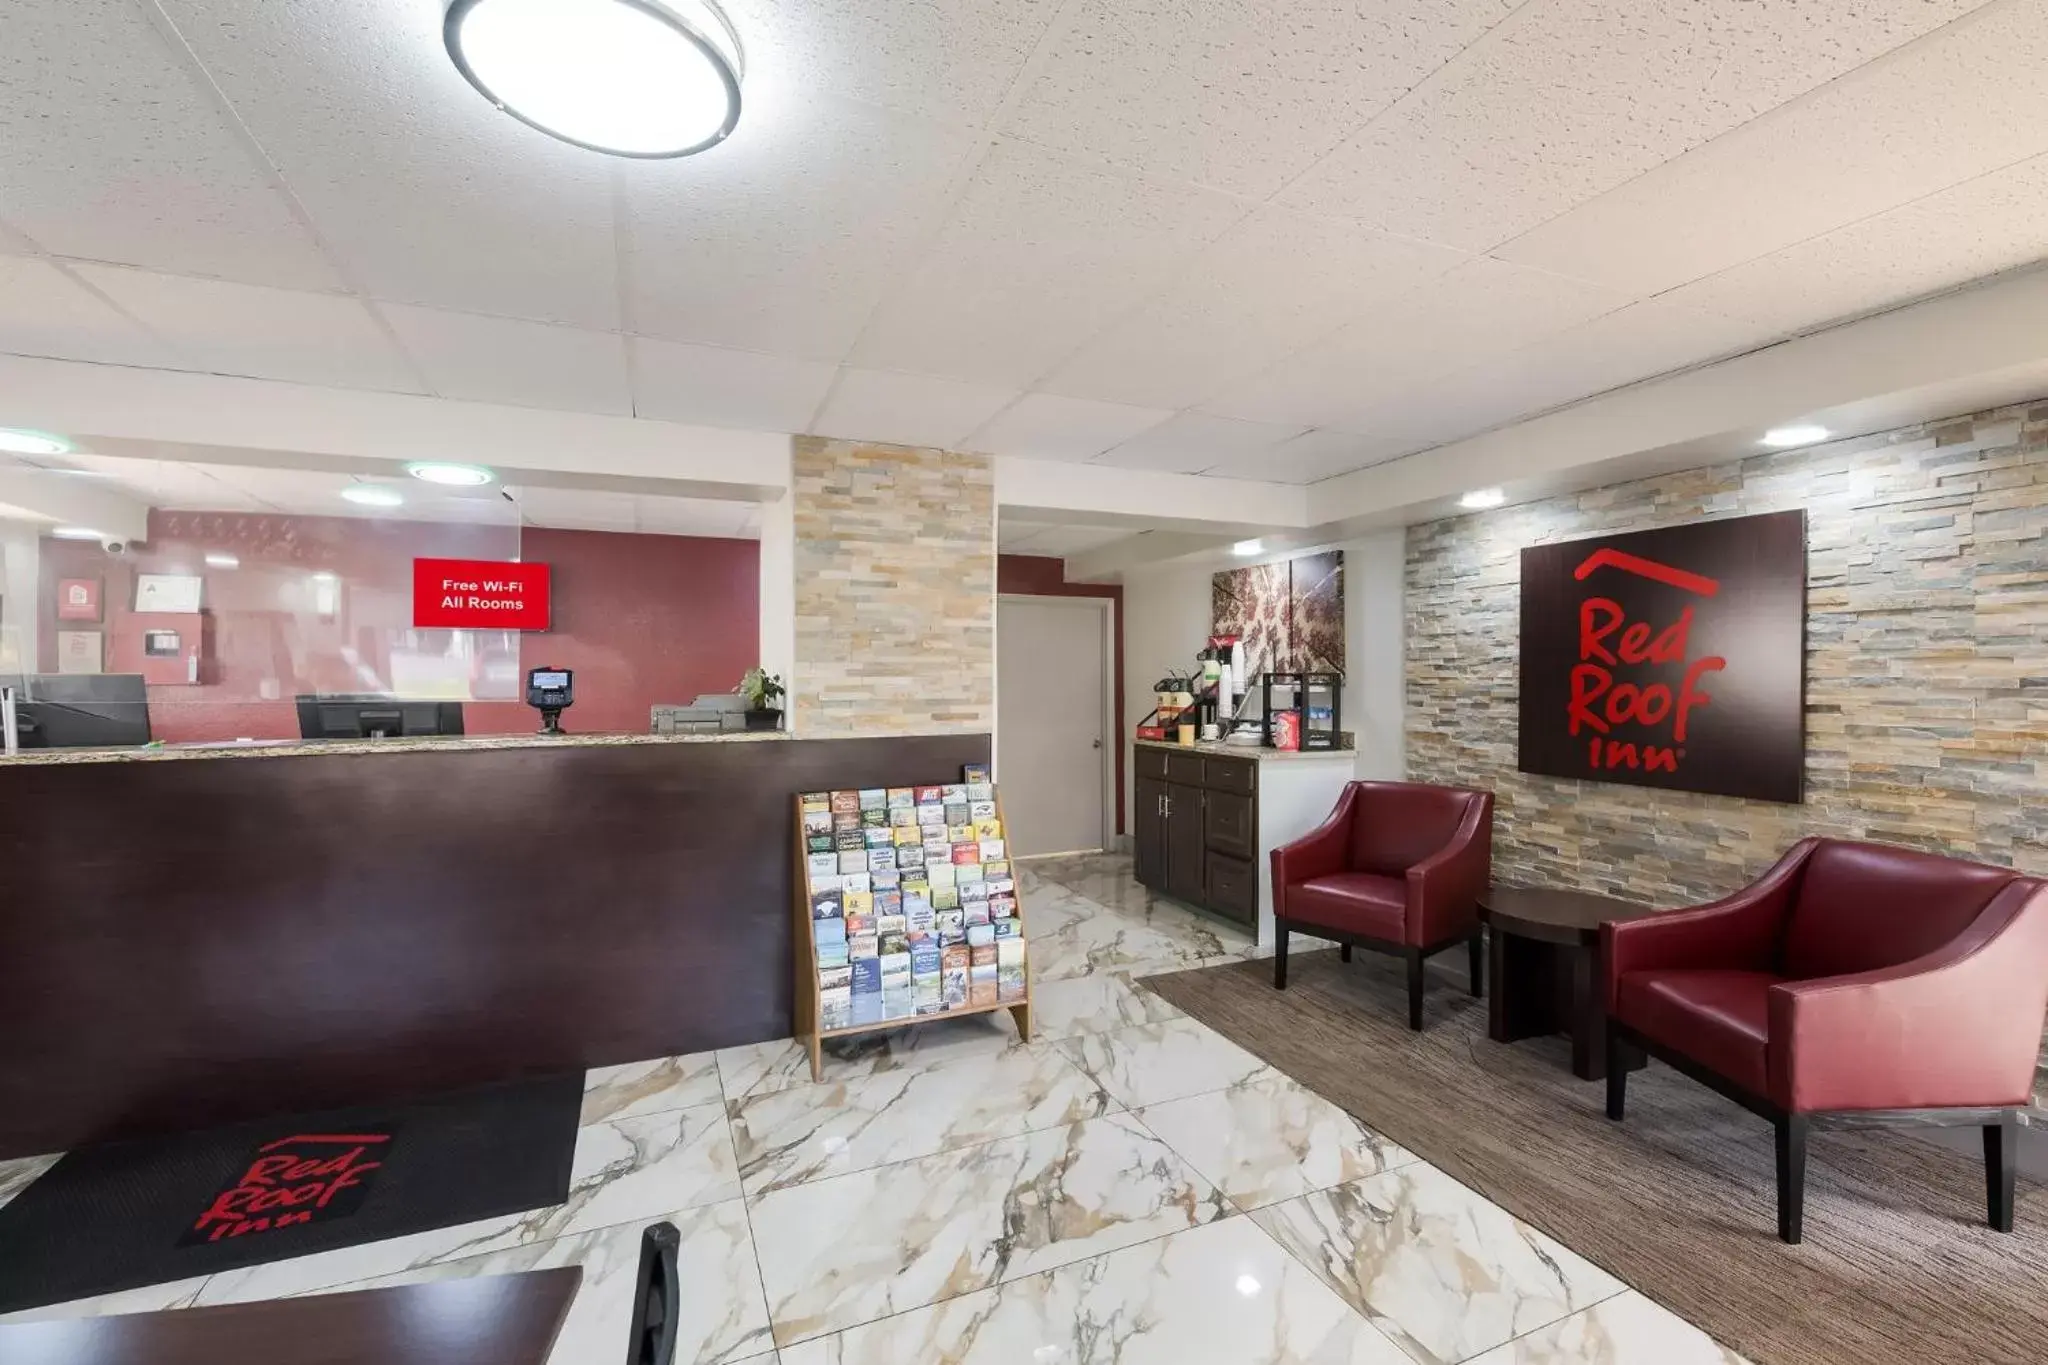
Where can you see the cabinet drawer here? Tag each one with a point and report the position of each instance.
(1234, 887)
(1240, 775)
(1150, 762)
(1230, 823)
(1183, 768)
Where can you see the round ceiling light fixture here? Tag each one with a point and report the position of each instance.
(1798, 434)
(639, 78)
(451, 475)
(16, 441)
(370, 495)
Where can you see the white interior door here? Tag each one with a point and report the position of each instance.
(1052, 686)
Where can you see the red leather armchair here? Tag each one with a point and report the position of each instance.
(1852, 979)
(1397, 868)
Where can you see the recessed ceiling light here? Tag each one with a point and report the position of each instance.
(224, 561)
(1803, 434)
(1248, 547)
(370, 495)
(453, 475)
(642, 78)
(16, 441)
(1479, 499)
(75, 533)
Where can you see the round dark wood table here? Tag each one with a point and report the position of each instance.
(1543, 959)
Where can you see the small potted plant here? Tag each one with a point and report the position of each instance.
(763, 692)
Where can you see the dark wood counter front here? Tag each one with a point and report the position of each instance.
(193, 943)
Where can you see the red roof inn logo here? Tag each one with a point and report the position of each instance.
(1608, 642)
(1669, 658)
(304, 1178)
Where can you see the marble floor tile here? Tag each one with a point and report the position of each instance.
(18, 1173)
(1627, 1329)
(783, 1063)
(1152, 1063)
(837, 1253)
(1441, 1271)
(1095, 943)
(1270, 1139)
(723, 1317)
(153, 1298)
(653, 1087)
(370, 1260)
(786, 1137)
(1093, 1004)
(1224, 1294)
(634, 1168)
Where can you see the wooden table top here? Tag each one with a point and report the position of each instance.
(1554, 916)
(489, 1320)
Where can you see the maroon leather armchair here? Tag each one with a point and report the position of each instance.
(1397, 868)
(1853, 979)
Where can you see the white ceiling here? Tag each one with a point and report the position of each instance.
(1265, 239)
(180, 485)
(1057, 541)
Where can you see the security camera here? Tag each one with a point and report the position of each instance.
(114, 545)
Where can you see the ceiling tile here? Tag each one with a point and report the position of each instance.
(45, 312)
(1987, 225)
(1241, 97)
(1310, 458)
(1038, 254)
(1960, 103)
(1483, 308)
(428, 193)
(1192, 442)
(1046, 426)
(907, 409)
(950, 61)
(1276, 282)
(111, 151)
(1624, 347)
(677, 382)
(786, 236)
(248, 329)
(1571, 98)
(525, 364)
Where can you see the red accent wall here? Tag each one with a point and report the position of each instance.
(1046, 576)
(643, 619)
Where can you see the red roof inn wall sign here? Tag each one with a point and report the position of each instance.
(479, 594)
(1670, 658)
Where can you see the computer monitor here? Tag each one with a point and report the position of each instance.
(79, 710)
(332, 716)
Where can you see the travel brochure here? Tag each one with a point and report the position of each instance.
(913, 904)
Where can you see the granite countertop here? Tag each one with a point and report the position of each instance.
(1250, 751)
(297, 748)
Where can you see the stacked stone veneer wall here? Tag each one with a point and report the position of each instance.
(895, 565)
(1927, 663)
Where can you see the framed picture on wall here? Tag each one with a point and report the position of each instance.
(80, 651)
(78, 599)
(167, 592)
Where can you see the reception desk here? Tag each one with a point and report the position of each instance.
(194, 936)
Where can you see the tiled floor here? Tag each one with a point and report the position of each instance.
(1128, 1188)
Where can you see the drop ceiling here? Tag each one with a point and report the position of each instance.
(1262, 239)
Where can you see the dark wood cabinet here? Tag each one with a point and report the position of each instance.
(1186, 850)
(1148, 832)
(1196, 832)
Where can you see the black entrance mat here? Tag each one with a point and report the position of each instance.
(128, 1214)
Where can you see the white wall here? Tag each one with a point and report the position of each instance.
(20, 564)
(1373, 635)
(778, 597)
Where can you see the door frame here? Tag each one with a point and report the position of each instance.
(1105, 608)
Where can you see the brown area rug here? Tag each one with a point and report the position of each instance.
(1678, 1201)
